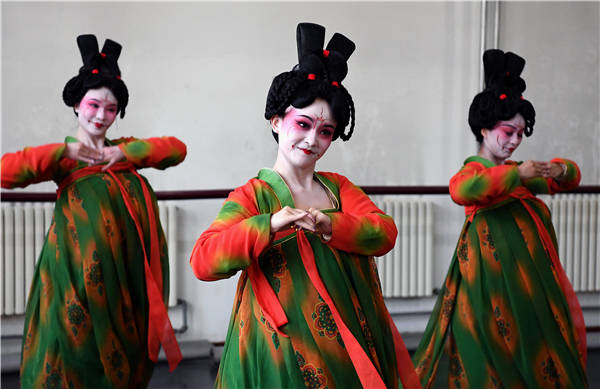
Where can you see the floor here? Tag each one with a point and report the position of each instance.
(200, 374)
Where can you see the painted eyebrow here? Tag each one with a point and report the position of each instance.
(307, 117)
(312, 121)
(99, 101)
(511, 126)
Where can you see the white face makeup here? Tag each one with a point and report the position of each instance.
(96, 112)
(304, 133)
(501, 141)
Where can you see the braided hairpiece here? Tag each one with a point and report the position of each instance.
(502, 97)
(318, 74)
(100, 68)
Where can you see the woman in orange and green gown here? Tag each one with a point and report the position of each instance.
(96, 312)
(308, 311)
(507, 316)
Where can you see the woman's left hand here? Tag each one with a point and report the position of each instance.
(555, 170)
(322, 223)
(112, 155)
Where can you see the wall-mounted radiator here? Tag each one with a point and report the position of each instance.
(576, 220)
(407, 270)
(23, 228)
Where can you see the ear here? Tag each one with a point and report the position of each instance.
(76, 108)
(276, 123)
(484, 132)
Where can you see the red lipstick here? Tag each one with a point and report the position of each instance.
(98, 125)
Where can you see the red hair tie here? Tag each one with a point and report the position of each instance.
(502, 96)
(311, 76)
(95, 71)
(522, 98)
(325, 53)
(508, 73)
(335, 83)
(118, 77)
(103, 55)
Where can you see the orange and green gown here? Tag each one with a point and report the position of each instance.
(283, 331)
(506, 316)
(86, 323)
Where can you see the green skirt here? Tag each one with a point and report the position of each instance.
(502, 316)
(313, 355)
(86, 324)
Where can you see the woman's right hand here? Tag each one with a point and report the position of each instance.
(81, 152)
(288, 216)
(530, 169)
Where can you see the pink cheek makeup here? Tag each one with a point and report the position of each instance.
(503, 135)
(110, 115)
(326, 137)
(87, 110)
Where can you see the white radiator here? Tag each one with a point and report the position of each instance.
(23, 228)
(407, 270)
(576, 220)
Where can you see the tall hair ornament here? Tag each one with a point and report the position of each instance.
(96, 61)
(330, 63)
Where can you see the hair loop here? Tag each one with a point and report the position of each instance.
(502, 97)
(313, 78)
(100, 69)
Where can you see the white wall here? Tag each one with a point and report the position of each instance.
(561, 42)
(201, 71)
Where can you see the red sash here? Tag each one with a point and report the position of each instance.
(160, 330)
(521, 193)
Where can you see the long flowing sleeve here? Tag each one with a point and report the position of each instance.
(30, 165)
(236, 238)
(360, 227)
(550, 185)
(478, 184)
(159, 153)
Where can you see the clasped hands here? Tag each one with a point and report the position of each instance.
(92, 156)
(312, 220)
(530, 169)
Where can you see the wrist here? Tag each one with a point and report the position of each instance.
(564, 167)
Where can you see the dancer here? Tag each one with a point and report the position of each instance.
(96, 312)
(308, 309)
(507, 314)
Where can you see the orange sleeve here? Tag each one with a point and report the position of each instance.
(30, 165)
(236, 238)
(477, 184)
(550, 185)
(571, 179)
(159, 153)
(360, 227)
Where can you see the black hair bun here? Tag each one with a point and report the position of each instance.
(318, 74)
(502, 97)
(100, 69)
